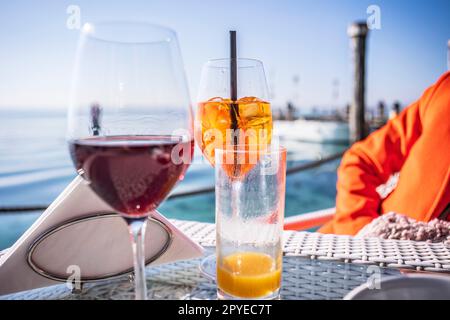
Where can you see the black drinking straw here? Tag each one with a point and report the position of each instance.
(234, 110)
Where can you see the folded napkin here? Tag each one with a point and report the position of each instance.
(98, 247)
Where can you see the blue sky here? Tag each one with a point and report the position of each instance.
(293, 38)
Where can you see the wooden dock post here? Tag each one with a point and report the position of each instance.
(358, 33)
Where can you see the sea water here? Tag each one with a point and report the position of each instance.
(35, 167)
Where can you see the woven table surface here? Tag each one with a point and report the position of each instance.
(315, 266)
(404, 254)
(303, 278)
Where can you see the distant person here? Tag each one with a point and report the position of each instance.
(381, 111)
(403, 167)
(395, 110)
(290, 111)
(96, 113)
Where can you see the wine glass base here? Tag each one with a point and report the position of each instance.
(208, 267)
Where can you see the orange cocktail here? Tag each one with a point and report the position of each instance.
(246, 123)
(249, 275)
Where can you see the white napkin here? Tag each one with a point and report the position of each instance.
(104, 239)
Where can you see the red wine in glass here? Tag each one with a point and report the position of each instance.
(133, 174)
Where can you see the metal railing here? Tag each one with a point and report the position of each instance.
(200, 191)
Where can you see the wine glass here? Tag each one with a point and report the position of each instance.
(130, 121)
(221, 122)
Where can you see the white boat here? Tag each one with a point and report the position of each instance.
(313, 130)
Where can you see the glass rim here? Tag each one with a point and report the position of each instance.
(210, 63)
(88, 31)
(273, 149)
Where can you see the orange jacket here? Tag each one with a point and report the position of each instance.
(417, 145)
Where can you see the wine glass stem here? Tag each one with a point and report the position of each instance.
(136, 228)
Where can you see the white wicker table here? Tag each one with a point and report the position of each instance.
(315, 266)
